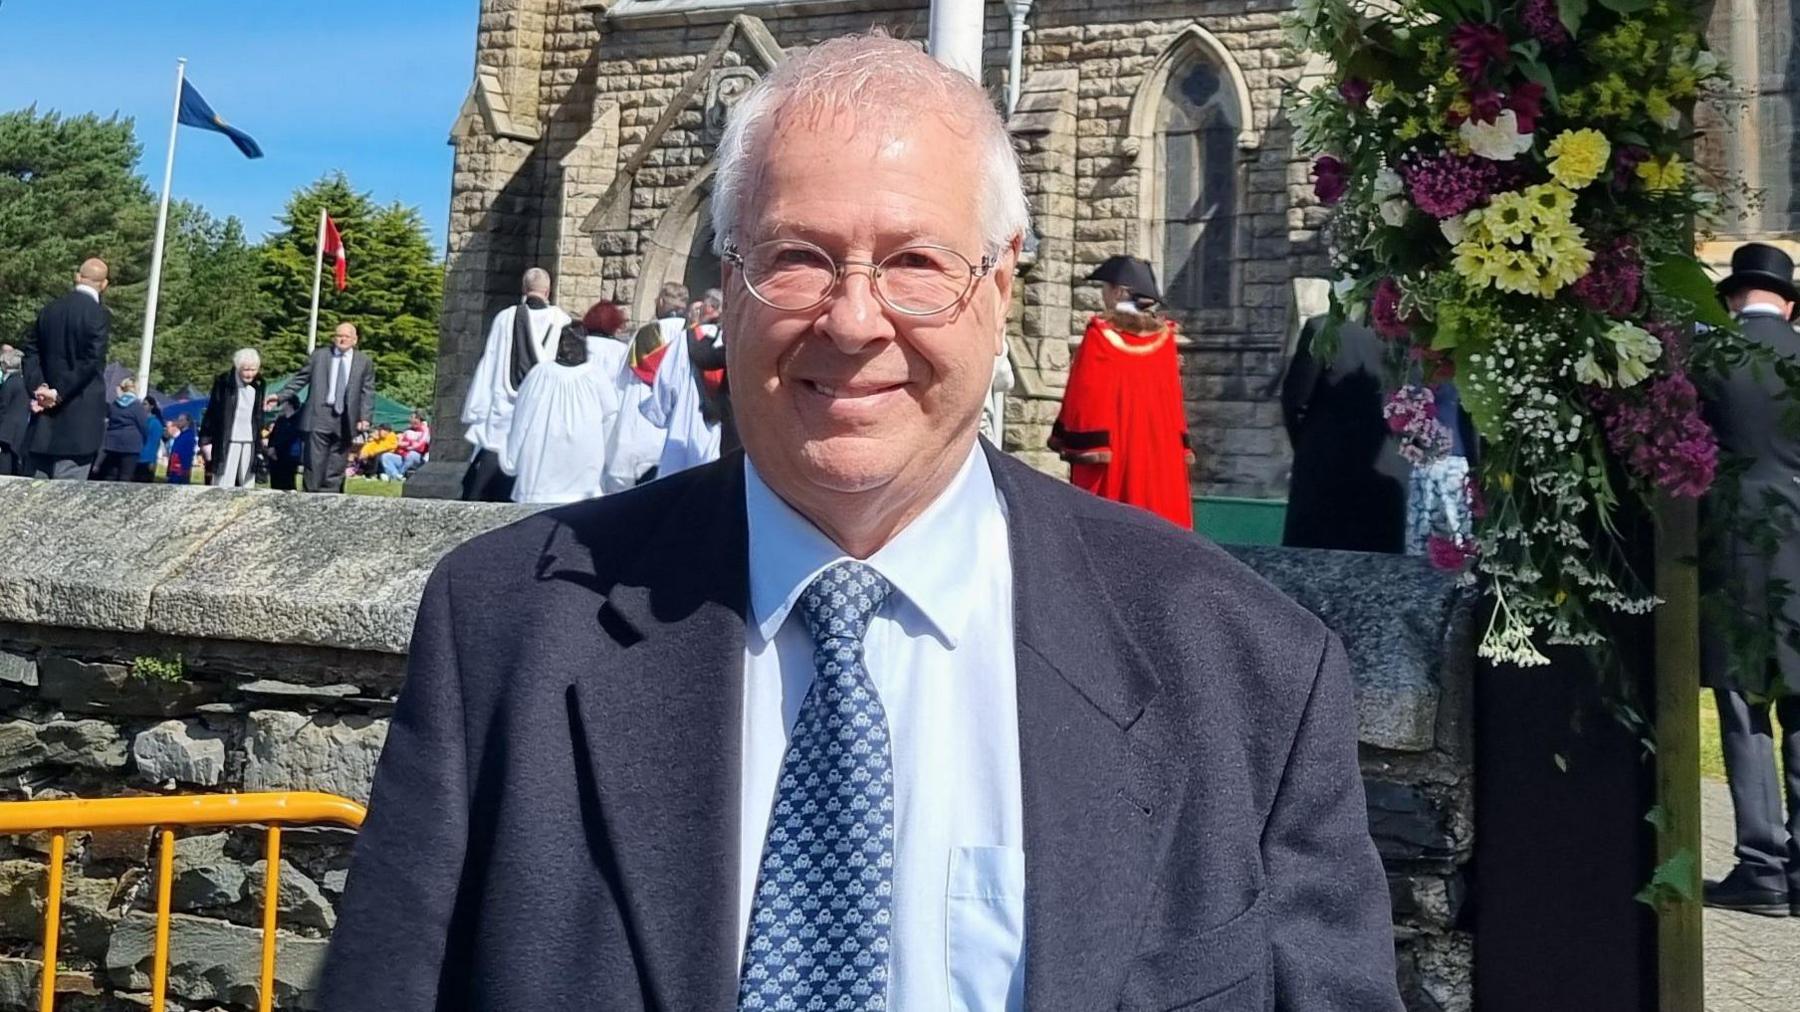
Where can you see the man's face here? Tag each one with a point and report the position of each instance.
(344, 339)
(852, 397)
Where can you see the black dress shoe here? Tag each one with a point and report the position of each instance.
(1741, 891)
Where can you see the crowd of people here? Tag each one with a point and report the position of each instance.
(561, 410)
(60, 418)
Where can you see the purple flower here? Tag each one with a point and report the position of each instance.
(1331, 179)
(1615, 280)
(1355, 91)
(1542, 19)
(1527, 102)
(1625, 162)
(1485, 105)
(1477, 47)
(1657, 430)
(1384, 311)
(1447, 555)
(1447, 185)
(1411, 414)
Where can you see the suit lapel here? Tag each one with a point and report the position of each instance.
(1089, 800)
(662, 729)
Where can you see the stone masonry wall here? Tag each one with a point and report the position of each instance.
(169, 640)
(602, 170)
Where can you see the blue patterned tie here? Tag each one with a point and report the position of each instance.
(819, 923)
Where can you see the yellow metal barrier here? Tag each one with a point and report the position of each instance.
(167, 814)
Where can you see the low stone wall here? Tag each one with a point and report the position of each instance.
(156, 639)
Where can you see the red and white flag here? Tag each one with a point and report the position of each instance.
(334, 248)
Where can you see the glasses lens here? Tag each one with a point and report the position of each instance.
(924, 279)
(789, 275)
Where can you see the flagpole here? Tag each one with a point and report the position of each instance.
(156, 252)
(312, 324)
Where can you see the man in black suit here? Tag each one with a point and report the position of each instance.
(870, 714)
(342, 383)
(65, 352)
(15, 411)
(1748, 409)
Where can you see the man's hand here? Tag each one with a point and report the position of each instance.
(45, 397)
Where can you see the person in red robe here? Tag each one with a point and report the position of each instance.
(1122, 427)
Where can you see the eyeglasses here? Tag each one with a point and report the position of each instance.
(793, 276)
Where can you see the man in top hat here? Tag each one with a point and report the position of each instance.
(1747, 409)
(1122, 427)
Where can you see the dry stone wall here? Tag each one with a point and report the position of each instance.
(600, 170)
(252, 641)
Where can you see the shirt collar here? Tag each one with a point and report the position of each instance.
(924, 561)
(92, 292)
(1758, 309)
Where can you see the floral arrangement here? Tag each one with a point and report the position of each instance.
(1513, 212)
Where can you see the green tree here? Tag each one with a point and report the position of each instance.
(69, 191)
(211, 303)
(395, 293)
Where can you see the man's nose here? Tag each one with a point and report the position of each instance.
(854, 317)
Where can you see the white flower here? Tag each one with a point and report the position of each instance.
(1456, 227)
(1588, 371)
(1706, 64)
(1499, 141)
(1636, 348)
(1388, 184)
(1394, 211)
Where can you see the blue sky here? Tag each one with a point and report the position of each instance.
(369, 86)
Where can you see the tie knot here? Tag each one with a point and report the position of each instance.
(839, 603)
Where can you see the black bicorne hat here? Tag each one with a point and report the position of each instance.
(1134, 275)
(1758, 265)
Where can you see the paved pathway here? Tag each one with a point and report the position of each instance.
(1752, 963)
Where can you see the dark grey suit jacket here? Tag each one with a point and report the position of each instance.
(359, 403)
(555, 818)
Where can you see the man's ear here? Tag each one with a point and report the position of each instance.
(1004, 275)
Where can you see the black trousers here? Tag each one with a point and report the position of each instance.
(1767, 844)
(325, 460)
(282, 472)
(484, 481)
(11, 465)
(116, 466)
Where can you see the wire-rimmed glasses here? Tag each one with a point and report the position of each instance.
(792, 275)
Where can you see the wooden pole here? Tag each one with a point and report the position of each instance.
(1681, 954)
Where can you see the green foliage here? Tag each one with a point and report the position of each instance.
(69, 191)
(171, 668)
(1672, 883)
(395, 292)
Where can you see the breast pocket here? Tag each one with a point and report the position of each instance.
(985, 928)
(1224, 969)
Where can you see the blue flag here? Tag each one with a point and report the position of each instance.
(196, 113)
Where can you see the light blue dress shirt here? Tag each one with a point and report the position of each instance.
(940, 652)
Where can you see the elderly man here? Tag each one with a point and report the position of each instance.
(522, 336)
(339, 405)
(65, 354)
(871, 716)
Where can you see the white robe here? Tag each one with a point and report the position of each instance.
(488, 408)
(674, 406)
(556, 446)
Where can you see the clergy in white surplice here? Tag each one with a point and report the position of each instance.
(556, 447)
(522, 336)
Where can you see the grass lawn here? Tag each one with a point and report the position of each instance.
(1712, 760)
(390, 489)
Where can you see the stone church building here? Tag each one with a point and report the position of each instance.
(1151, 127)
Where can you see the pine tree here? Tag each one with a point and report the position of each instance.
(69, 191)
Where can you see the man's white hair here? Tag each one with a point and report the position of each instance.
(536, 279)
(246, 356)
(884, 83)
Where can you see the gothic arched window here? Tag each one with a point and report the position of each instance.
(1197, 135)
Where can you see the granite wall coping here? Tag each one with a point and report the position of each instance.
(347, 572)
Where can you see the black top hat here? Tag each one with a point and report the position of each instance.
(1134, 275)
(1756, 265)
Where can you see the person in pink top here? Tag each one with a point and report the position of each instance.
(415, 446)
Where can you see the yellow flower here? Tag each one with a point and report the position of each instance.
(1508, 217)
(1578, 157)
(1550, 204)
(1660, 109)
(1660, 176)
(1410, 129)
(1471, 261)
(1384, 92)
(1513, 271)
